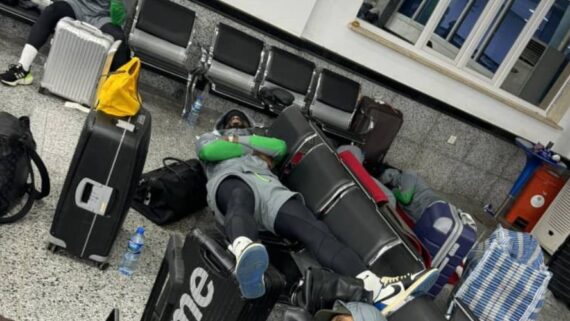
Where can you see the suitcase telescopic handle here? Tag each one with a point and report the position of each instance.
(175, 260)
(213, 254)
(90, 27)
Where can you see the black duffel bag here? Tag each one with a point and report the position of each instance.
(320, 288)
(17, 153)
(170, 193)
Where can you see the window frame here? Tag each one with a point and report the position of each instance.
(458, 68)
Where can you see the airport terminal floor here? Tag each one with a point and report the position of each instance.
(36, 284)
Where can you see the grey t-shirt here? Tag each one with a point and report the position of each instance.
(94, 12)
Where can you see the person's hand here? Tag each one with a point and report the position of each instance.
(342, 318)
(231, 138)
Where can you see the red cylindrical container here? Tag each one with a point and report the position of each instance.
(535, 198)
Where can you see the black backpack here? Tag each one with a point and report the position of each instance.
(17, 152)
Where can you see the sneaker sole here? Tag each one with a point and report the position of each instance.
(24, 82)
(250, 269)
(421, 286)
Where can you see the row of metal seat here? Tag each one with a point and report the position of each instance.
(240, 66)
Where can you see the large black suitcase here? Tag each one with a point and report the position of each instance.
(380, 123)
(100, 184)
(167, 289)
(209, 291)
(560, 268)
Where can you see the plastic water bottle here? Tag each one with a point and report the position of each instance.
(133, 252)
(194, 113)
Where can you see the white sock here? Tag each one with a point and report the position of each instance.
(371, 282)
(239, 244)
(28, 55)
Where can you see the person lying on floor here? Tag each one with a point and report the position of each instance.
(245, 194)
(107, 15)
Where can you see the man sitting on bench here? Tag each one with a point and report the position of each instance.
(245, 195)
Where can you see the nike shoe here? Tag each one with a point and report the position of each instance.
(252, 261)
(16, 75)
(396, 291)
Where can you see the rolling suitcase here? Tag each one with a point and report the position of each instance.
(379, 123)
(209, 291)
(448, 235)
(79, 57)
(100, 184)
(166, 291)
(560, 268)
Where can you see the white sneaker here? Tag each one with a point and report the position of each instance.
(42, 4)
(252, 261)
(397, 290)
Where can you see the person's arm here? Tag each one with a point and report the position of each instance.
(268, 146)
(213, 148)
(117, 12)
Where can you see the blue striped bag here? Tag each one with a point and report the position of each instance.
(505, 278)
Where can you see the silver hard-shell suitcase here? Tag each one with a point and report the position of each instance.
(79, 57)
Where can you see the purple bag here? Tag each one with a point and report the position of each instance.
(449, 235)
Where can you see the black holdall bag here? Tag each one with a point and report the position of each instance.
(168, 194)
(320, 288)
(17, 153)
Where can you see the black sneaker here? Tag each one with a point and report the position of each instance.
(16, 75)
(397, 290)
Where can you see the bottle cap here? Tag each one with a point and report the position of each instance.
(140, 230)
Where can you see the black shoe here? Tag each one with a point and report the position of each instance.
(16, 75)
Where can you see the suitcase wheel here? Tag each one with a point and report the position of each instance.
(52, 248)
(102, 265)
(42, 90)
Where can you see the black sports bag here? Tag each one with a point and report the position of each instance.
(168, 194)
(320, 288)
(17, 153)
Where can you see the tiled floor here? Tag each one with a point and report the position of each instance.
(38, 285)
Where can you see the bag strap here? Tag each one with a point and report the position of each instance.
(33, 194)
(45, 184)
(175, 161)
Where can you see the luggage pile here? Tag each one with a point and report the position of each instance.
(447, 233)
(113, 145)
(196, 276)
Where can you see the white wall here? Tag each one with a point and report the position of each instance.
(325, 22)
(327, 26)
(288, 15)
